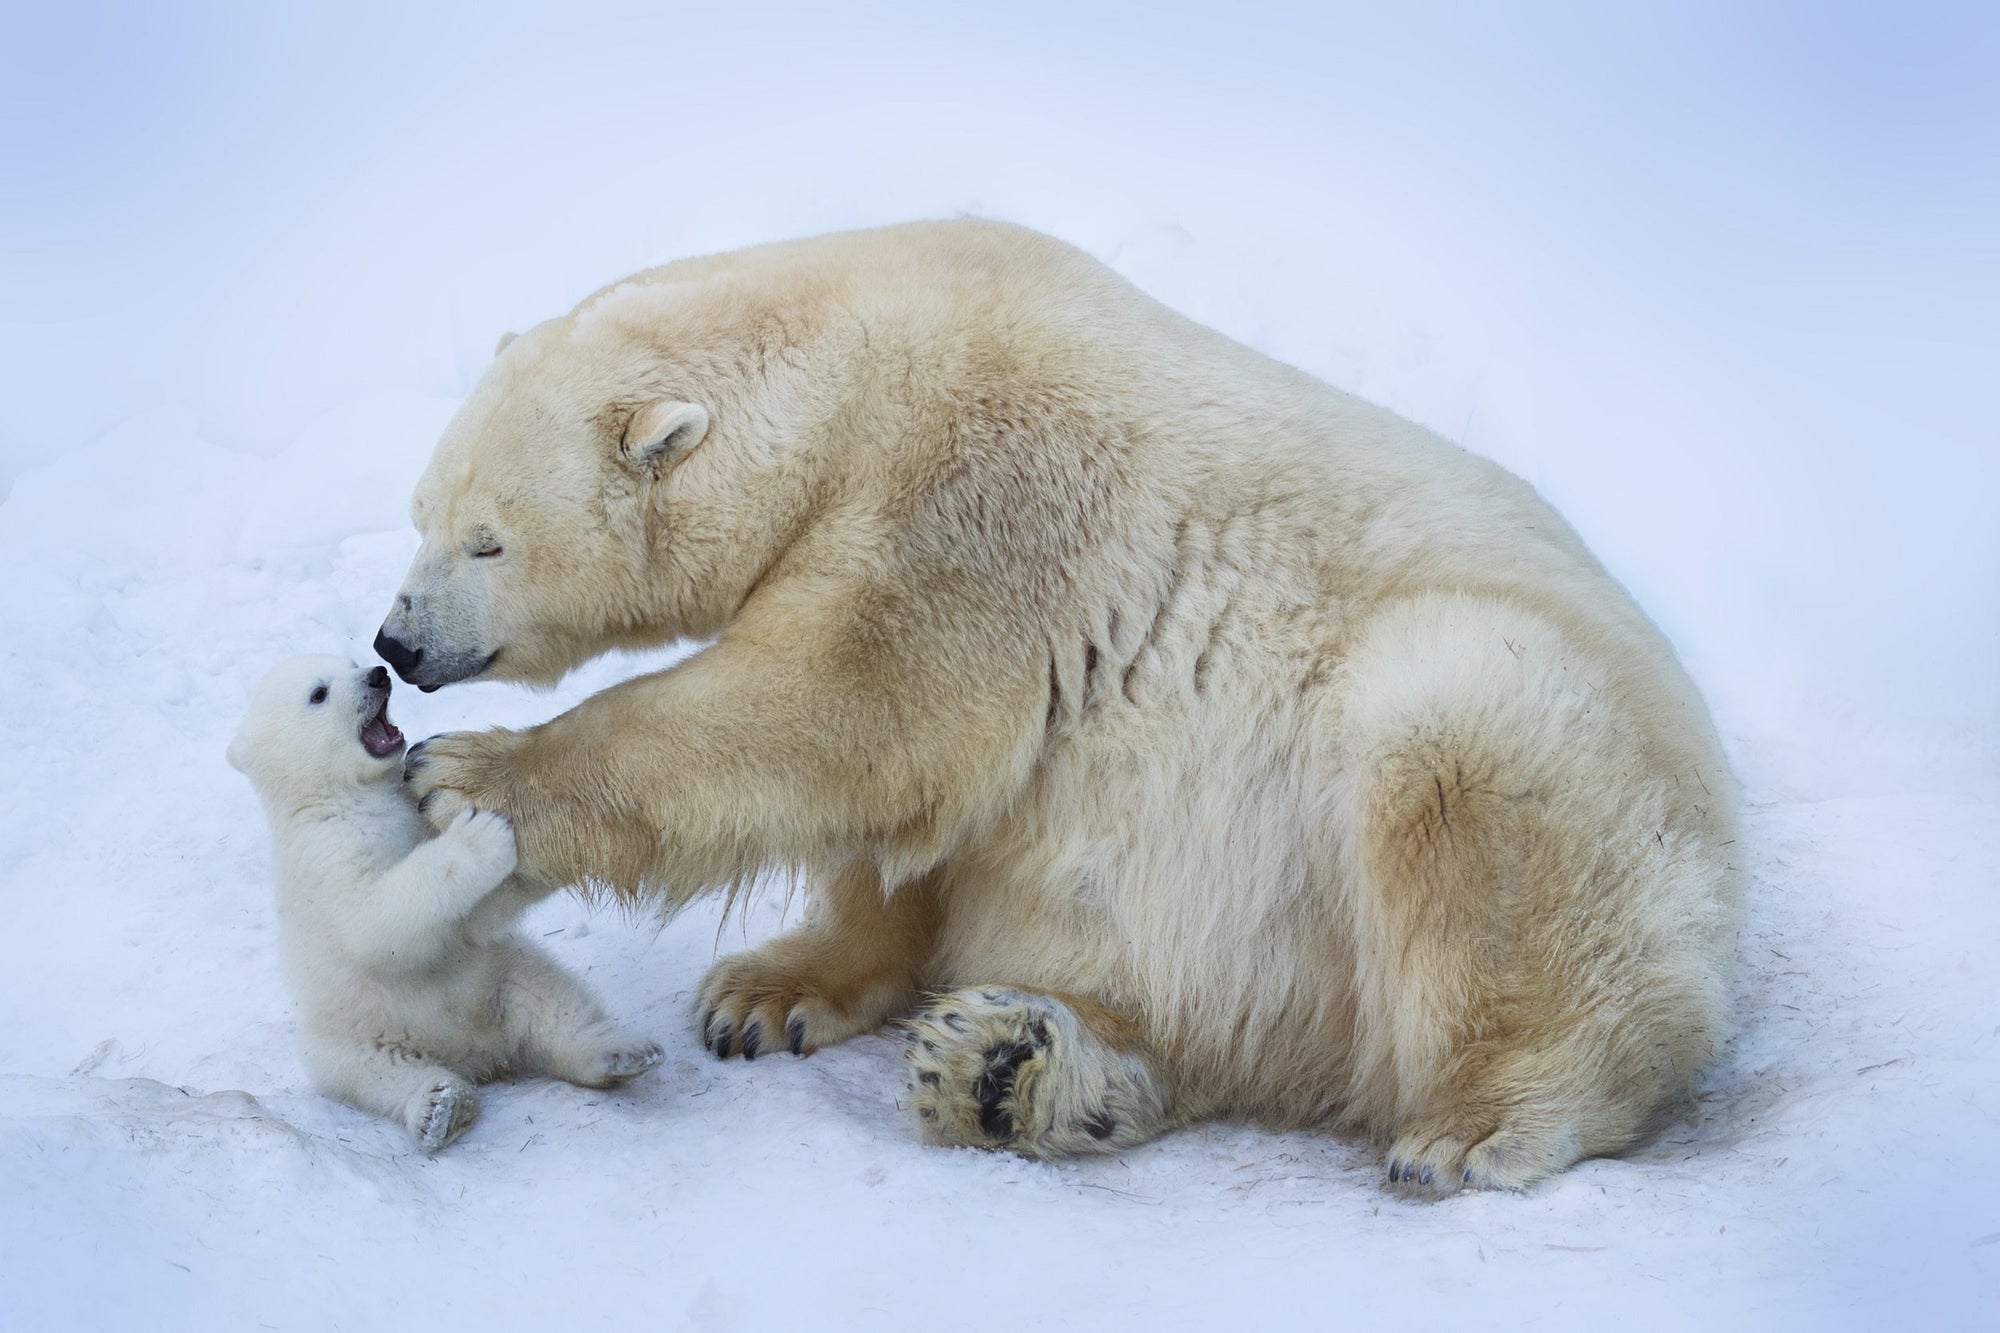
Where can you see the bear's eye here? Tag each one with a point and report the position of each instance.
(486, 552)
(318, 696)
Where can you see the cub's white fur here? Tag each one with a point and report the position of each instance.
(397, 945)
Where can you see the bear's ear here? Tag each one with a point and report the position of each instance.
(237, 754)
(661, 432)
(505, 339)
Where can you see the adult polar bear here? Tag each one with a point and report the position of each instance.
(1218, 743)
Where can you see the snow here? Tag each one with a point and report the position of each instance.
(264, 262)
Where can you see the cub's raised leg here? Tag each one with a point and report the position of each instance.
(1037, 1074)
(849, 969)
(559, 1029)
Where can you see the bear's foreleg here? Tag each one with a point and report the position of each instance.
(849, 969)
(748, 756)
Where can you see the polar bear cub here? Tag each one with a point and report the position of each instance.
(399, 948)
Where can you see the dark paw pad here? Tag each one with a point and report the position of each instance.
(996, 1084)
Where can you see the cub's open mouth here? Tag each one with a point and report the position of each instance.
(380, 736)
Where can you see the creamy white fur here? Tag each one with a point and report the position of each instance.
(1229, 745)
(398, 946)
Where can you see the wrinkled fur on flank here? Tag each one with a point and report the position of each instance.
(398, 946)
(1308, 764)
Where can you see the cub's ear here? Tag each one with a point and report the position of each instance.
(661, 432)
(237, 754)
(505, 339)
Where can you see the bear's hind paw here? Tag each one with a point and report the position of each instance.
(1431, 1161)
(995, 1067)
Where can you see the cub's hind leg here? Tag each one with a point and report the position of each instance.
(434, 1102)
(1540, 909)
(557, 1027)
(1037, 1074)
(852, 966)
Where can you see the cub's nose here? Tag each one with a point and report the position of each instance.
(398, 654)
(378, 678)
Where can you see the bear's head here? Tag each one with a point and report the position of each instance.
(318, 724)
(619, 478)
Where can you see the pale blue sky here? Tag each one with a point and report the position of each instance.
(1722, 279)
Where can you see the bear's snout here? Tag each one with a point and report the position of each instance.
(398, 655)
(378, 679)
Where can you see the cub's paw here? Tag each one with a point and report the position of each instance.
(622, 1057)
(441, 1113)
(1442, 1155)
(751, 1004)
(486, 839)
(994, 1067)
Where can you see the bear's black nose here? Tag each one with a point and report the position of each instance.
(398, 654)
(378, 678)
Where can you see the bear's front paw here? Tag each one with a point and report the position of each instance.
(453, 772)
(788, 997)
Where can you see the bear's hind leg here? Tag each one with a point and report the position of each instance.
(1037, 1074)
(558, 1028)
(849, 969)
(1536, 914)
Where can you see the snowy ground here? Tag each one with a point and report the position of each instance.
(168, 1166)
(1718, 279)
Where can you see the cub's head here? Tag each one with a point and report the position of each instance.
(318, 723)
(616, 479)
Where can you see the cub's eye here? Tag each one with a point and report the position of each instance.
(486, 553)
(318, 696)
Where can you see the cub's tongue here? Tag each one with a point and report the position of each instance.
(381, 736)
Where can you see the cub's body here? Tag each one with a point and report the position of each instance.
(398, 945)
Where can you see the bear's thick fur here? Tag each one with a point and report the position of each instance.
(1217, 742)
(399, 946)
